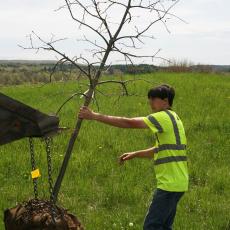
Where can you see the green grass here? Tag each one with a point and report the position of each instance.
(107, 196)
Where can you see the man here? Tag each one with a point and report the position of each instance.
(169, 153)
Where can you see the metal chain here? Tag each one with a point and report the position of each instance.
(33, 164)
(50, 180)
(49, 164)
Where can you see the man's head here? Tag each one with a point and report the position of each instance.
(161, 97)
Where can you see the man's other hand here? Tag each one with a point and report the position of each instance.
(125, 157)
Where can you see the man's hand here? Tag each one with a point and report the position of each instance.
(146, 153)
(86, 113)
(126, 156)
(121, 122)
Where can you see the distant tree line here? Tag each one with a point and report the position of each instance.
(15, 74)
(20, 73)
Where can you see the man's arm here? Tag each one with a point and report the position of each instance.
(121, 122)
(146, 153)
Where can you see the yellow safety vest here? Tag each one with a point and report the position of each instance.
(170, 160)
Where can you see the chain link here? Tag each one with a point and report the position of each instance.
(50, 180)
(49, 164)
(33, 164)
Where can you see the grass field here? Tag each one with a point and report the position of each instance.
(107, 196)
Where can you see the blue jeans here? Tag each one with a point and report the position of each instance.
(162, 210)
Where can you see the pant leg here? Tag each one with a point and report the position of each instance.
(171, 217)
(161, 211)
(152, 218)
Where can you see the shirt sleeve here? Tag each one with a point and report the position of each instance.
(153, 122)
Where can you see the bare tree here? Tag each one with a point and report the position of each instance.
(123, 35)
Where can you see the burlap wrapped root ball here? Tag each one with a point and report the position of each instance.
(40, 215)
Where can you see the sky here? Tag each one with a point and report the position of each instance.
(204, 39)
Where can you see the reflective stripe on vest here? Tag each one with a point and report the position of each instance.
(169, 147)
(170, 159)
(175, 127)
(177, 146)
(155, 123)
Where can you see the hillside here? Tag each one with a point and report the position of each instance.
(107, 196)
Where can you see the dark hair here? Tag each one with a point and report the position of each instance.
(162, 91)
